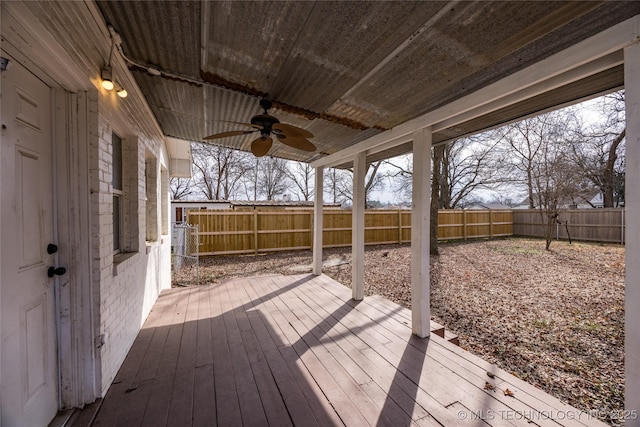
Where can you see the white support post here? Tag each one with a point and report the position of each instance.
(317, 220)
(357, 228)
(420, 216)
(632, 245)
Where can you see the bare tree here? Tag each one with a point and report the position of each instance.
(218, 170)
(272, 177)
(555, 180)
(234, 174)
(465, 166)
(542, 163)
(337, 184)
(598, 150)
(301, 175)
(523, 141)
(250, 180)
(373, 181)
(400, 176)
(181, 188)
(468, 165)
(521, 145)
(459, 168)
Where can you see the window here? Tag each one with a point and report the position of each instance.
(117, 191)
(151, 184)
(126, 195)
(164, 201)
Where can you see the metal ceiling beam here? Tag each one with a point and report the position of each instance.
(582, 59)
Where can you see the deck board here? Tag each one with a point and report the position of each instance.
(204, 403)
(297, 350)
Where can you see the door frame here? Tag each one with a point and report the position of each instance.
(74, 100)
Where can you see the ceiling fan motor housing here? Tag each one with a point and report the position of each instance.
(265, 121)
(265, 104)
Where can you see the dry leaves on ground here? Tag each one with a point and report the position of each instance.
(553, 318)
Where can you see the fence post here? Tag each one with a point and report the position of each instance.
(310, 230)
(490, 224)
(464, 224)
(255, 232)
(399, 227)
(622, 227)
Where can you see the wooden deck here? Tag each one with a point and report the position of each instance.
(296, 350)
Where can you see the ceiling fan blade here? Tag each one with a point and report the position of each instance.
(297, 143)
(253, 125)
(229, 133)
(261, 146)
(292, 131)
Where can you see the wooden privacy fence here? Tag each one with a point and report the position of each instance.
(599, 225)
(233, 232)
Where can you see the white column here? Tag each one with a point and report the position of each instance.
(420, 214)
(632, 205)
(317, 220)
(357, 228)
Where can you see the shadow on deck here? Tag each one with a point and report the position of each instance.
(297, 350)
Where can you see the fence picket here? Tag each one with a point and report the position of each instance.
(598, 225)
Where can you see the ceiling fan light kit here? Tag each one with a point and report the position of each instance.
(268, 125)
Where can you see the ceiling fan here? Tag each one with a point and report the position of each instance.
(268, 125)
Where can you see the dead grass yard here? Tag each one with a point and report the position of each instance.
(554, 319)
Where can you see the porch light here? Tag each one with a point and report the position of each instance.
(106, 73)
(107, 79)
(122, 92)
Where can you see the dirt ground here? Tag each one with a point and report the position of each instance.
(553, 318)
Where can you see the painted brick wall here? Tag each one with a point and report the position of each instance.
(130, 282)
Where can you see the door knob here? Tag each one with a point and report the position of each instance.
(52, 249)
(53, 271)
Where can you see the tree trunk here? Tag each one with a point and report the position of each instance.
(445, 190)
(438, 153)
(370, 181)
(532, 204)
(608, 173)
(548, 234)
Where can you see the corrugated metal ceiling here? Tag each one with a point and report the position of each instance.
(344, 70)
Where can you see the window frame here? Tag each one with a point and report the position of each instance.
(117, 167)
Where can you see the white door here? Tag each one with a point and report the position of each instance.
(28, 365)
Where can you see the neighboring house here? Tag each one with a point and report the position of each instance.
(180, 208)
(597, 201)
(275, 205)
(84, 207)
(491, 206)
(588, 201)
